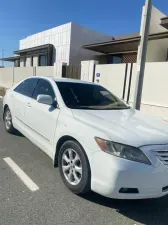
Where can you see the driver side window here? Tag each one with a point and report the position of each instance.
(43, 88)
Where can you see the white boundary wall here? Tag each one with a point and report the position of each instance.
(155, 88)
(46, 71)
(21, 73)
(6, 77)
(11, 75)
(111, 76)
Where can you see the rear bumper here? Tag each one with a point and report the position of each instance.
(110, 174)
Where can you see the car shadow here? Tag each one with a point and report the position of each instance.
(17, 133)
(148, 211)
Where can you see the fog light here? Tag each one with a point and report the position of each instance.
(129, 191)
(165, 189)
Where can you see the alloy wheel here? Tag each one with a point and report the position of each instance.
(72, 166)
(8, 120)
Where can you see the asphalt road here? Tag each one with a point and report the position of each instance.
(53, 204)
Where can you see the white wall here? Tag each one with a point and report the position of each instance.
(58, 36)
(155, 87)
(12, 75)
(87, 70)
(111, 77)
(47, 71)
(6, 77)
(81, 36)
(22, 73)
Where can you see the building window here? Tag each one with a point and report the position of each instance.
(17, 63)
(114, 59)
(117, 59)
(42, 60)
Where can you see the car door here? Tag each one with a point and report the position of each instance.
(41, 119)
(19, 99)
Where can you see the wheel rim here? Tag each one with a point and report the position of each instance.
(72, 166)
(8, 120)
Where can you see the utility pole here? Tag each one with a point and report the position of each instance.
(141, 59)
(2, 62)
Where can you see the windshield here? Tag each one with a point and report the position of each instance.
(88, 96)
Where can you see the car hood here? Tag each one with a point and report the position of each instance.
(127, 126)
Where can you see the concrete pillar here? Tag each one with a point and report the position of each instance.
(21, 62)
(88, 70)
(28, 61)
(35, 60)
(58, 69)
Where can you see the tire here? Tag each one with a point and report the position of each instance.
(8, 121)
(78, 167)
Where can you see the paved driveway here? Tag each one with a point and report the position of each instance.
(53, 204)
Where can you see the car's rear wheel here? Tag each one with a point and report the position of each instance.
(74, 167)
(8, 121)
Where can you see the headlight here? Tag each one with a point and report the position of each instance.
(122, 151)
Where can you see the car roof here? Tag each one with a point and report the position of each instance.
(65, 80)
(71, 80)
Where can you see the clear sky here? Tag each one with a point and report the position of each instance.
(20, 18)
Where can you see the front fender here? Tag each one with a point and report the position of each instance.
(83, 133)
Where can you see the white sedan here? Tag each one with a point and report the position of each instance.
(98, 142)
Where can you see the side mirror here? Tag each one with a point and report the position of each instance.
(45, 99)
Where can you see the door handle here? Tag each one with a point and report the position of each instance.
(28, 104)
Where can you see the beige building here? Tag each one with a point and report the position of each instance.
(124, 49)
(61, 44)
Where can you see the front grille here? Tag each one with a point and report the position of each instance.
(162, 155)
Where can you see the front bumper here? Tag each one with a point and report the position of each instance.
(110, 174)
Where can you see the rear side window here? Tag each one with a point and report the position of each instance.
(27, 87)
(43, 88)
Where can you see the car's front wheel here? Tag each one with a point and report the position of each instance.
(8, 121)
(74, 167)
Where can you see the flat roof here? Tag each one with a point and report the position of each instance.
(40, 47)
(29, 51)
(10, 59)
(122, 45)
